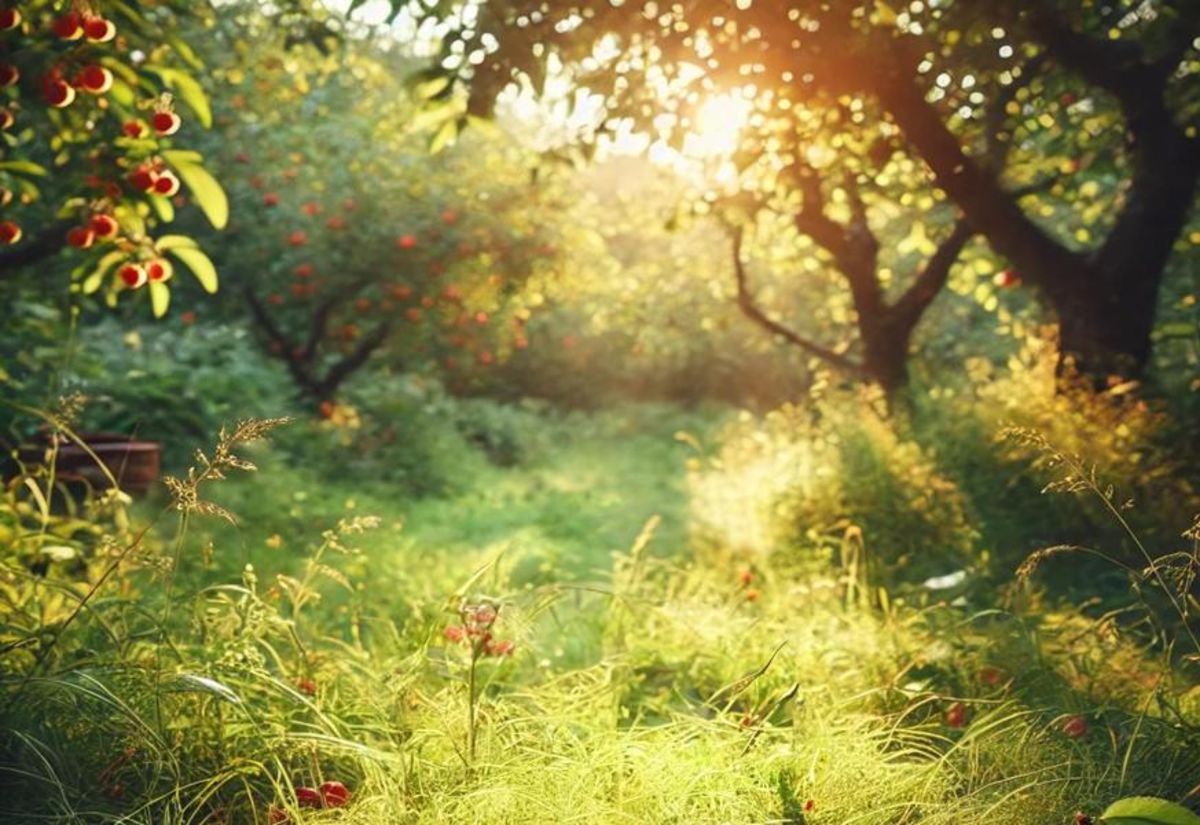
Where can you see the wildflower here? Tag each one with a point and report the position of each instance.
(956, 715)
(745, 576)
(454, 633)
(306, 686)
(1075, 727)
(752, 595)
(504, 647)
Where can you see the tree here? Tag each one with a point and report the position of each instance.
(352, 242)
(931, 70)
(96, 109)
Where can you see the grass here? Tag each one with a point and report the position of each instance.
(655, 678)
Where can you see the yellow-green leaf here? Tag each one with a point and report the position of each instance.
(187, 89)
(94, 280)
(167, 242)
(199, 264)
(208, 194)
(160, 298)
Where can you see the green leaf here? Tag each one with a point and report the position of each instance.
(1147, 810)
(199, 264)
(444, 137)
(209, 195)
(167, 242)
(160, 298)
(93, 281)
(187, 89)
(163, 207)
(24, 167)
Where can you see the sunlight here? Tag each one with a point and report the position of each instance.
(718, 126)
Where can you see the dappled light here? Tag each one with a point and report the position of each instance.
(509, 411)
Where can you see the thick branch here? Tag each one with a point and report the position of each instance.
(357, 357)
(320, 319)
(988, 208)
(751, 310)
(907, 311)
(286, 352)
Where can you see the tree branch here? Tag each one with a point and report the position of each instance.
(346, 367)
(296, 367)
(751, 310)
(320, 319)
(909, 308)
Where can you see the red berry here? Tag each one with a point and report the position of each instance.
(99, 30)
(298, 238)
(95, 79)
(9, 19)
(143, 178)
(308, 797)
(134, 129)
(449, 216)
(1075, 727)
(413, 315)
(1006, 278)
(7, 119)
(810, 806)
(481, 319)
(69, 26)
(485, 358)
(58, 93)
(335, 794)
(160, 270)
(133, 275)
(270, 199)
(166, 123)
(9, 75)
(105, 226)
(306, 686)
(81, 237)
(956, 715)
(336, 222)
(454, 633)
(10, 232)
(187, 318)
(990, 675)
(311, 208)
(167, 184)
(406, 241)
(303, 271)
(452, 293)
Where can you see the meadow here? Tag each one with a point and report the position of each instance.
(514, 463)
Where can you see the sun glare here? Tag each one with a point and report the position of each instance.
(718, 126)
